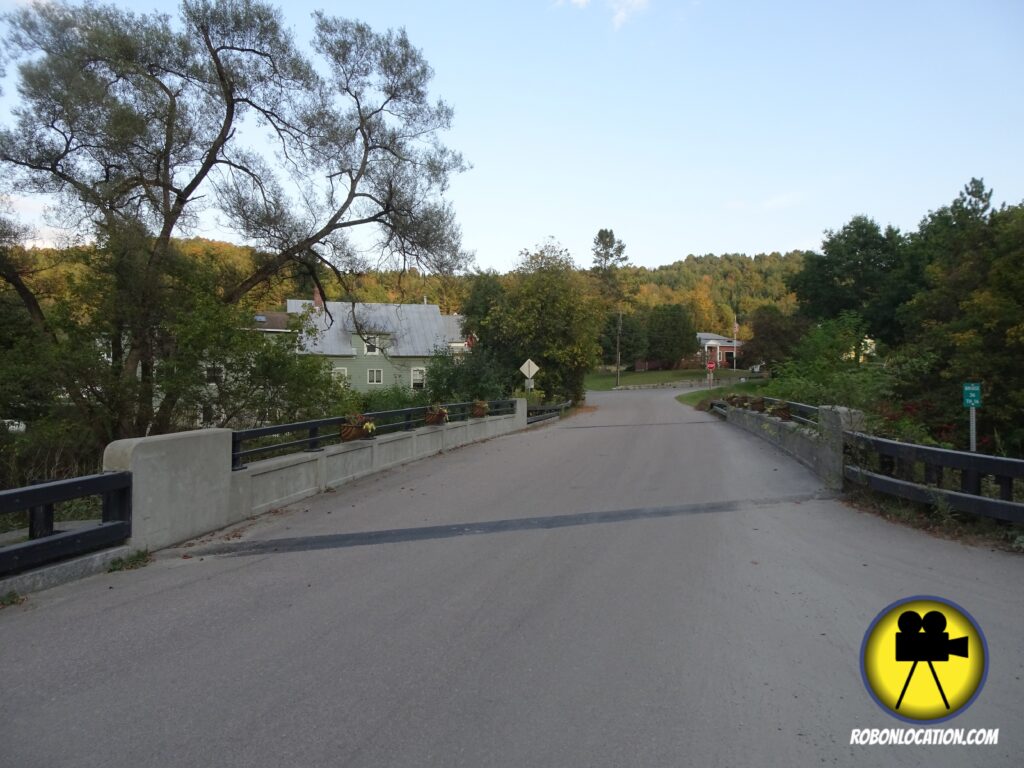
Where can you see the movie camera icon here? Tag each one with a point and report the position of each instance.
(930, 645)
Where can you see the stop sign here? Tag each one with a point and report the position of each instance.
(711, 365)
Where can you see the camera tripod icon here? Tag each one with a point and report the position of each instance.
(930, 645)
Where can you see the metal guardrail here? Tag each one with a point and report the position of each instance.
(316, 435)
(537, 413)
(45, 543)
(901, 465)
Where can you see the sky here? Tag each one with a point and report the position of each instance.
(693, 127)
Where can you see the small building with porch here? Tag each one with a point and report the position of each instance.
(720, 350)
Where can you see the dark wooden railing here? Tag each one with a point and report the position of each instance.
(320, 432)
(46, 543)
(991, 486)
(799, 412)
(983, 485)
(535, 413)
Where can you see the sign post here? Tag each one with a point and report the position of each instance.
(711, 373)
(972, 400)
(528, 369)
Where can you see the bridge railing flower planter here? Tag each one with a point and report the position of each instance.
(357, 427)
(435, 415)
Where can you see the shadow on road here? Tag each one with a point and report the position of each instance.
(395, 536)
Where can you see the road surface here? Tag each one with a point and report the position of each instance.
(639, 585)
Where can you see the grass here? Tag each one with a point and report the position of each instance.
(942, 521)
(135, 560)
(11, 598)
(698, 396)
(600, 381)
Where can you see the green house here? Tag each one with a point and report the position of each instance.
(374, 345)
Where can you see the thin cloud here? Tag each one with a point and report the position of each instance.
(781, 202)
(621, 10)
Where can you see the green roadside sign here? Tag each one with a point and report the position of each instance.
(972, 395)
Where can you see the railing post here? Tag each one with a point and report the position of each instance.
(236, 450)
(832, 422)
(314, 442)
(904, 469)
(970, 482)
(40, 521)
(886, 464)
(117, 505)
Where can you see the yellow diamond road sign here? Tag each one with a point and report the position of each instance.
(529, 368)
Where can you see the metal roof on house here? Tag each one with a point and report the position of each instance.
(411, 330)
(453, 327)
(714, 338)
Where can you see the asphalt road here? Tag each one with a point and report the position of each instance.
(639, 585)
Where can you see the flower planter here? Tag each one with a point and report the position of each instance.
(435, 419)
(480, 410)
(350, 432)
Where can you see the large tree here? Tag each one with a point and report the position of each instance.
(615, 285)
(853, 273)
(671, 334)
(545, 310)
(968, 319)
(775, 336)
(139, 124)
(609, 259)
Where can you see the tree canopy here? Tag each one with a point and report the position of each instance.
(546, 310)
(140, 124)
(946, 302)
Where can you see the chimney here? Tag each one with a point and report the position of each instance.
(318, 300)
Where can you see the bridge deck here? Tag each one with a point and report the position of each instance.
(641, 584)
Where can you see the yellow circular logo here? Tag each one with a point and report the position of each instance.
(924, 659)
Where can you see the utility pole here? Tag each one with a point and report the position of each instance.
(618, 354)
(735, 341)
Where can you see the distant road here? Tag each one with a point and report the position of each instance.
(638, 585)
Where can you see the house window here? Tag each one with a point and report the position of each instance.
(419, 378)
(372, 345)
(375, 376)
(341, 374)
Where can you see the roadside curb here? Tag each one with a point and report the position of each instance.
(54, 575)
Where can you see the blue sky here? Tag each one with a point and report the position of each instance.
(711, 127)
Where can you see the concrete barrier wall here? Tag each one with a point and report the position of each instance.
(183, 485)
(820, 449)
